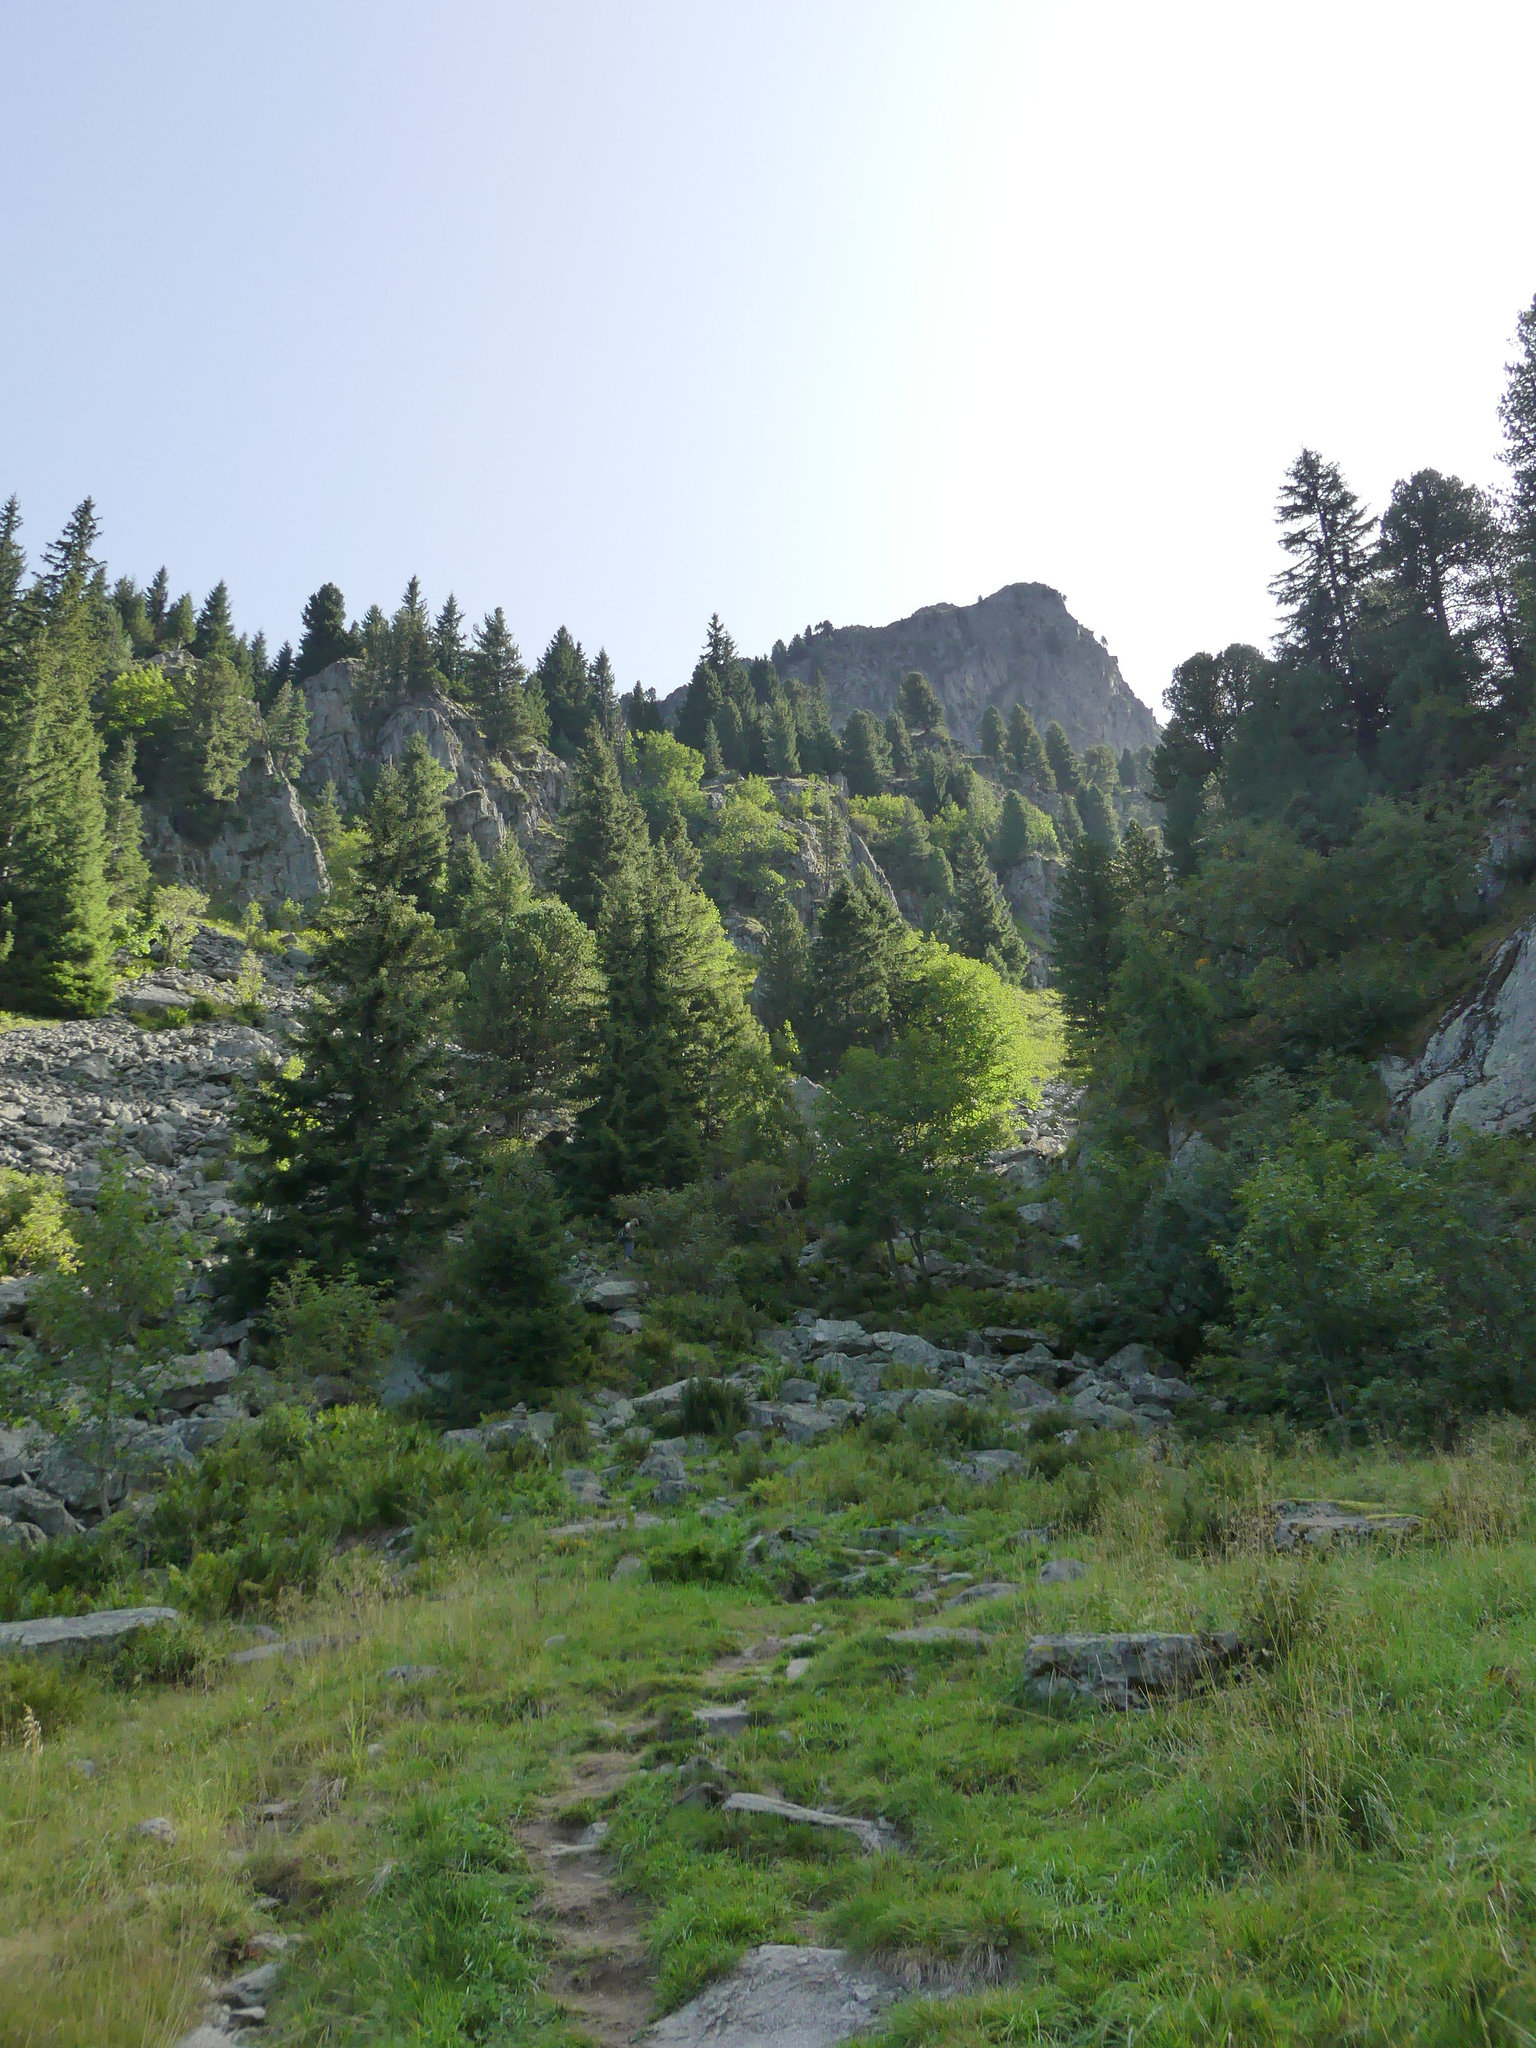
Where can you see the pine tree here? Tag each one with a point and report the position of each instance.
(219, 726)
(326, 637)
(919, 703)
(348, 1145)
(408, 828)
(127, 871)
(780, 993)
(603, 697)
(448, 650)
(1517, 411)
(682, 1055)
(1027, 752)
(215, 630)
(781, 737)
(157, 602)
(1141, 864)
(866, 758)
(1013, 832)
(604, 831)
(1327, 534)
(993, 737)
(55, 915)
(642, 712)
(1084, 933)
(325, 819)
(180, 622)
(714, 758)
(511, 1329)
(857, 959)
(1066, 769)
(1097, 814)
(980, 922)
(565, 683)
(287, 730)
(899, 741)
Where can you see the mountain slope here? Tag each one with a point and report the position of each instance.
(1021, 642)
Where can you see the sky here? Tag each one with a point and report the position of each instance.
(618, 315)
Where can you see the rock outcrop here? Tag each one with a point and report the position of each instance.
(263, 852)
(1477, 1074)
(1021, 642)
(489, 798)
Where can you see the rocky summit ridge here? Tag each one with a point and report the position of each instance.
(1020, 643)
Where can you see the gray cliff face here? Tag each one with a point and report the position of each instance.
(264, 851)
(1021, 643)
(489, 799)
(1478, 1071)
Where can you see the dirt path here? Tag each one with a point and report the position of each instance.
(603, 1971)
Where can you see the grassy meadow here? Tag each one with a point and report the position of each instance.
(1336, 1846)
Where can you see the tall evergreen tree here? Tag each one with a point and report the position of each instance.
(857, 960)
(348, 1145)
(604, 832)
(1066, 769)
(682, 1055)
(219, 725)
(865, 755)
(565, 683)
(1326, 532)
(1097, 814)
(55, 915)
(1517, 411)
(180, 622)
(287, 729)
(127, 871)
(919, 703)
(994, 738)
(157, 602)
(980, 923)
(642, 712)
(780, 993)
(1012, 832)
(1084, 929)
(326, 637)
(408, 827)
(899, 740)
(448, 650)
(215, 632)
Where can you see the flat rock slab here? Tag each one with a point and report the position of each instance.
(873, 1835)
(723, 1720)
(1062, 1571)
(994, 1589)
(1126, 1671)
(1320, 1522)
(972, 1636)
(81, 1635)
(781, 1997)
(300, 1646)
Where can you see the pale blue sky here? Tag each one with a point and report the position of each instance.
(621, 314)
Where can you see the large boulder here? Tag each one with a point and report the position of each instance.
(75, 1636)
(1125, 1671)
(1478, 1071)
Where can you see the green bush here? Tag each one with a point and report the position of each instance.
(711, 1408)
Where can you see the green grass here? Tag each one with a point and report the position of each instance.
(1337, 1847)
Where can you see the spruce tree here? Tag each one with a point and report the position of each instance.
(681, 1054)
(781, 737)
(448, 650)
(857, 959)
(327, 637)
(127, 870)
(866, 758)
(180, 622)
(1013, 833)
(604, 830)
(347, 1145)
(287, 729)
(55, 913)
(899, 740)
(407, 826)
(565, 684)
(919, 703)
(325, 819)
(1066, 769)
(980, 923)
(1327, 534)
(780, 993)
(1085, 925)
(219, 725)
(215, 630)
(1097, 814)
(1517, 412)
(993, 737)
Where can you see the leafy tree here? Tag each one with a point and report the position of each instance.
(55, 913)
(899, 741)
(108, 1318)
(666, 777)
(604, 832)
(866, 757)
(348, 1145)
(1084, 928)
(510, 1328)
(748, 846)
(980, 923)
(858, 959)
(287, 730)
(994, 738)
(682, 1056)
(919, 703)
(127, 870)
(326, 637)
(408, 828)
(905, 1133)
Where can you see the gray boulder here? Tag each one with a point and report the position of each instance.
(31, 1504)
(1125, 1671)
(198, 1376)
(1321, 1522)
(782, 1997)
(935, 1404)
(68, 1637)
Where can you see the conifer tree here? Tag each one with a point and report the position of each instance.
(899, 741)
(603, 697)
(347, 1146)
(408, 827)
(180, 622)
(781, 738)
(1013, 833)
(857, 959)
(127, 871)
(919, 704)
(565, 684)
(993, 737)
(1327, 534)
(325, 819)
(714, 758)
(55, 915)
(1517, 411)
(1097, 814)
(157, 602)
(865, 755)
(287, 729)
(1066, 769)
(681, 1055)
(219, 725)
(326, 637)
(642, 712)
(1084, 930)
(780, 993)
(604, 831)
(448, 650)
(980, 922)
(215, 629)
